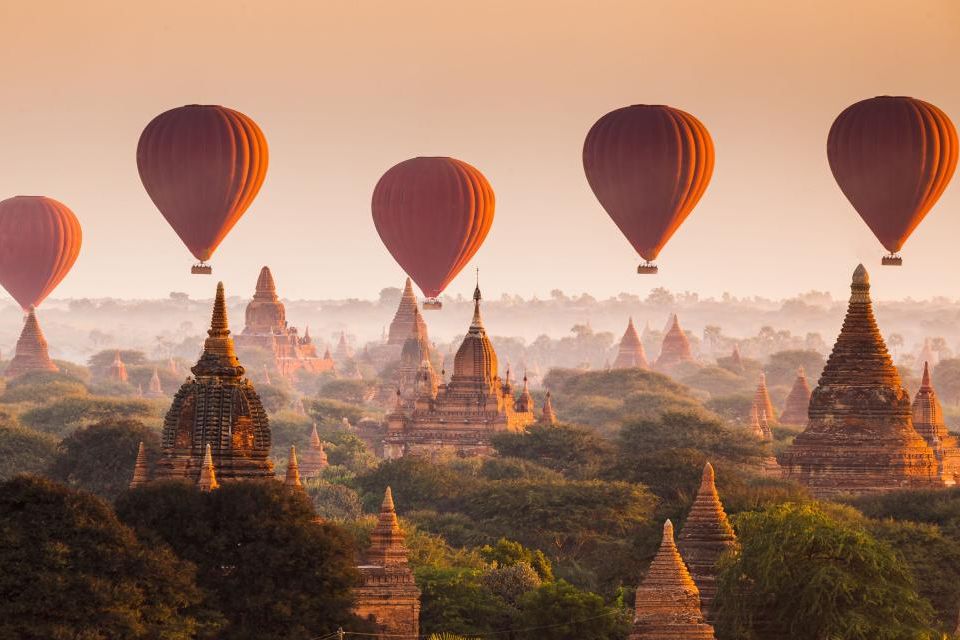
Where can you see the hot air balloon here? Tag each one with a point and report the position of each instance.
(648, 165)
(202, 166)
(432, 214)
(892, 157)
(39, 242)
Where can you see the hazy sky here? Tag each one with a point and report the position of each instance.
(345, 90)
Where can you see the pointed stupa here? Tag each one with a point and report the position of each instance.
(343, 351)
(155, 389)
(208, 475)
(762, 402)
(675, 349)
(736, 360)
(547, 415)
(139, 390)
(475, 365)
(797, 402)
(759, 425)
(668, 601)
(387, 548)
(630, 353)
(265, 314)
(706, 535)
(524, 399)
(292, 478)
(859, 436)
(118, 370)
(928, 421)
(314, 458)
(140, 470)
(266, 376)
(407, 319)
(31, 352)
(172, 367)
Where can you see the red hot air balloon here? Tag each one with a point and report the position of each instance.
(432, 214)
(202, 165)
(892, 157)
(39, 242)
(648, 165)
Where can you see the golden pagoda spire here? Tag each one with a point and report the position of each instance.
(140, 471)
(386, 539)
(31, 351)
(208, 475)
(762, 401)
(218, 357)
(293, 470)
(476, 324)
(547, 416)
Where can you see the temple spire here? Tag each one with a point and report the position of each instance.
(155, 388)
(208, 475)
(477, 322)
(31, 351)
(630, 352)
(547, 416)
(293, 470)
(797, 402)
(762, 401)
(386, 540)
(140, 470)
(266, 288)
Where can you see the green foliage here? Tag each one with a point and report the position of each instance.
(781, 370)
(506, 553)
(262, 560)
(287, 428)
(934, 506)
(333, 501)
(509, 582)
(347, 391)
(416, 483)
(501, 468)
(100, 457)
(70, 569)
(66, 414)
(332, 412)
(101, 360)
(274, 398)
(24, 450)
(717, 381)
(575, 452)
(38, 387)
(454, 600)
(806, 572)
(559, 611)
(735, 408)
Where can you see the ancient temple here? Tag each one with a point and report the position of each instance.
(797, 402)
(630, 353)
(207, 480)
(668, 601)
(860, 436)
(736, 360)
(266, 328)
(292, 477)
(547, 415)
(928, 421)
(344, 351)
(415, 363)
(759, 425)
(675, 349)
(459, 416)
(407, 320)
(314, 457)
(706, 535)
(762, 402)
(118, 370)
(216, 409)
(387, 594)
(31, 352)
(155, 389)
(141, 471)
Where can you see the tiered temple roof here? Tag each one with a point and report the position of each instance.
(860, 437)
(118, 370)
(675, 349)
(407, 320)
(314, 458)
(292, 478)
(706, 535)
(797, 403)
(207, 481)
(547, 415)
(630, 353)
(759, 425)
(216, 411)
(141, 472)
(668, 601)
(928, 421)
(762, 402)
(31, 352)
(344, 351)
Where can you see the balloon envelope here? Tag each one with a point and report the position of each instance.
(648, 165)
(39, 242)
(432, 214)
(202, 165)
(892, 157)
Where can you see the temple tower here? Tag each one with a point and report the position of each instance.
(155, 389)
(141, 472)
(736, 360)
(208, 474)
(314, 458)
(547, 416)
(292, 479)
(762, 402)
(860, 437)
(797, 403)
(706, 535)
(118, 370)
(343, 351)
(265, 314)
(928, 421)
(630, 353)
(217, 410)
(668, 601)
(407, 320)
(31, 352)
(675, 349)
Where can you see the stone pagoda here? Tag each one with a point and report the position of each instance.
(706, 535)
(415, 364)
(547, 415)
(118, 370)
(736, 360)
(407, 320)
(460, 416)
(292, 477)
(266, 328)
(860, 437)
(759, 425)
(155, 389)
(798, 401)
(216, 409)
(344, 351)
(630, 353)
(928, 421)
(762, 402)
(141, 470)
(388, 595)
(675, 349)
(314, 458)
(668, 601)
(31, 352)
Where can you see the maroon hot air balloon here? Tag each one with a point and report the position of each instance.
(892, 157)
(432, 214)
(39, 242)
(648, 165)
(202, 165)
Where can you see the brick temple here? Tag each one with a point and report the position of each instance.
(675, 349)
(630, 353)
(31, 352)
(797, 402)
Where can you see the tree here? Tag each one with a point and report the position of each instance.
(455, 600)
(262, 560)
(332, 412)
(66, 414)
(348, 391)
(559, 611)
(417, 483)
(782, 368)
(506, 553)
(100, 362)
(24, 450)
(946, 379)
(573, 451)
(333, 501)
(70, 569)
(39, 387)
(100, 457)
(807, 572)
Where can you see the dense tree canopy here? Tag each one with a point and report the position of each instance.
(62, 416)
(576, 452)
(24, 450)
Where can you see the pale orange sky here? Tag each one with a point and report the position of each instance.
(345, 90)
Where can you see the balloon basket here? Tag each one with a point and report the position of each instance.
(892, 260)
(432, 304)
(647, 267)
(201, 269)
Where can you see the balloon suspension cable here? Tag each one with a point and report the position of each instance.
(647, 267)
(892, 260)
(202, 268)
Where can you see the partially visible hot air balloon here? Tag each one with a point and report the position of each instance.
(892, 157)
(202, 165)
(432, 214)
(648, 165)
(39, 242)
